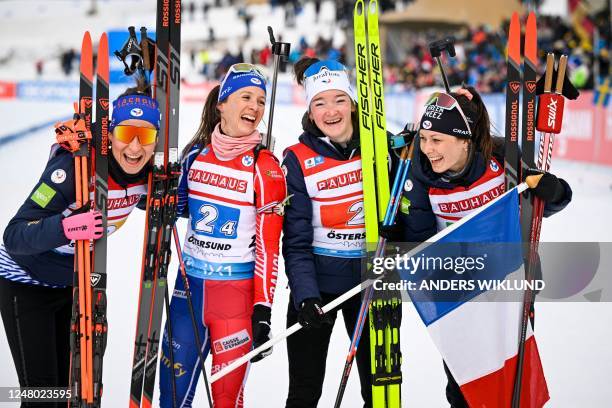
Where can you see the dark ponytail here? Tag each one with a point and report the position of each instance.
(481, 125)
(210, 118)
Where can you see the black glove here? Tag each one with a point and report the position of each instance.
(392, 233)
(311, 314)
(260, 321)
(549, 188)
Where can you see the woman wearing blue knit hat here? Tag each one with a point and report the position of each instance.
(233, 193)
(37, 257)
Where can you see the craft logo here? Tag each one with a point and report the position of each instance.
(231, 342)
(137, 112)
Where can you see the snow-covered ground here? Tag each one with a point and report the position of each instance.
(573, 338)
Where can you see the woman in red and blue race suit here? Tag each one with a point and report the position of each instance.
(324, 231)
(457, 167)
(233, 192)
(37, 257)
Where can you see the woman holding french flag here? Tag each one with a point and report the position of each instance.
(457, 167)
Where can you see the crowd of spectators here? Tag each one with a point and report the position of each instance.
(481, 56)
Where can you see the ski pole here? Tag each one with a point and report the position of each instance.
(530, 182)
(391, 212)
(436, 48)
(183, 271)
(280, 50)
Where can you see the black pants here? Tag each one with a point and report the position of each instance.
(37, 325)
(307, 350)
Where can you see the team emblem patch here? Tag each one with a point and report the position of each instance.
(313, 161)
(494, 166)
(426, 124)
(58, 176)
(405, 205)
(408, 185)
(247, 160)
(136, 112)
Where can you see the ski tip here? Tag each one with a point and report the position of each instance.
(373, 7)
(531, 39)
(359, 7)
(514, 38)
(103, 68)
(87, 57)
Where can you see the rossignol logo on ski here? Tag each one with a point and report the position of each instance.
(104, 103)
(515, 87)
(95, 279)
(531, 86)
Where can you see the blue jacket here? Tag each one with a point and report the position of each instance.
(310, 274)
(419, 222)
(36, 230)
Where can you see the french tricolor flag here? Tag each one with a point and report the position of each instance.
(477, 330)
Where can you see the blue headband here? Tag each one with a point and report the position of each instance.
(135, 107)
(234, 81)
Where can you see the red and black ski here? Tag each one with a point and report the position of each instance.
(513, 89)
(88, 322)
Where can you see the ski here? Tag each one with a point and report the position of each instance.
(527, 156)
(170, 165)
(384, 328)
(535, 223)
(80, 324)
(100, 187)
(161, 205)
(513, 88)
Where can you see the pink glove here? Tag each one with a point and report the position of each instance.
(85, 225)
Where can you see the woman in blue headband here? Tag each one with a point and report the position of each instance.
(37, 258)
(457, 160)
(233, 192)
(324, 232)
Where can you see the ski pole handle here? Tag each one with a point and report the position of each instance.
(280, 50)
